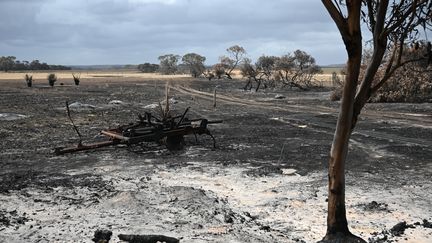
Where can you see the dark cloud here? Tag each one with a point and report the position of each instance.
(136, 31)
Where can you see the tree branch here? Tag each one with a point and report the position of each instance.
(413, 7)
(371, 15)
(337, 16)
(380, 45)
(380, 20)
(388, 74)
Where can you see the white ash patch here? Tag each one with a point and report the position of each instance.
(81, 106)
(151, 106)
(117, 102)
(239, 146)
(11, 116)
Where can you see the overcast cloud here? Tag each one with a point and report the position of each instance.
(76, 32)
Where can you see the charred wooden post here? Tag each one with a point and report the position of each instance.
(73, 124)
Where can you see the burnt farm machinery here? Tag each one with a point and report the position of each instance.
(168, 131)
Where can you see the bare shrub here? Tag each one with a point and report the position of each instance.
(209, 74)
(52, 78)
(29, 80)
(338, 85)
(336, 94)
(219, 70)
(76, 78)
(249, 71)
(265, 66)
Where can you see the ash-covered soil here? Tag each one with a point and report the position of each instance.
(264, 182)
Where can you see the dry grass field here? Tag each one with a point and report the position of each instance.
(65, 77)
(330, 70)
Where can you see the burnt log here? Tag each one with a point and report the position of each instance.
(148, 238)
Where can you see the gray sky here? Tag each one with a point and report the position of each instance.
(73, 32)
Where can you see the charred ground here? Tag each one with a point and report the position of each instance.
(265, 181)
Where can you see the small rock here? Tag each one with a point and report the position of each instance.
(279, 97)
(288, 171)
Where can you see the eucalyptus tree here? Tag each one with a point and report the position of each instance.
(168, 63)
(392, 24)
(236, 55)
(195, 63)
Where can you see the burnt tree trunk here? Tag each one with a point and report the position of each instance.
(337, 225)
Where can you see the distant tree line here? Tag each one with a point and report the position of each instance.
(10, 63)
(293, 70)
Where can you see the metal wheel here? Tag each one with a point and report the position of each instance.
(174, 142)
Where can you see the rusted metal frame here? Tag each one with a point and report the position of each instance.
(115, 135)
(83, 147)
